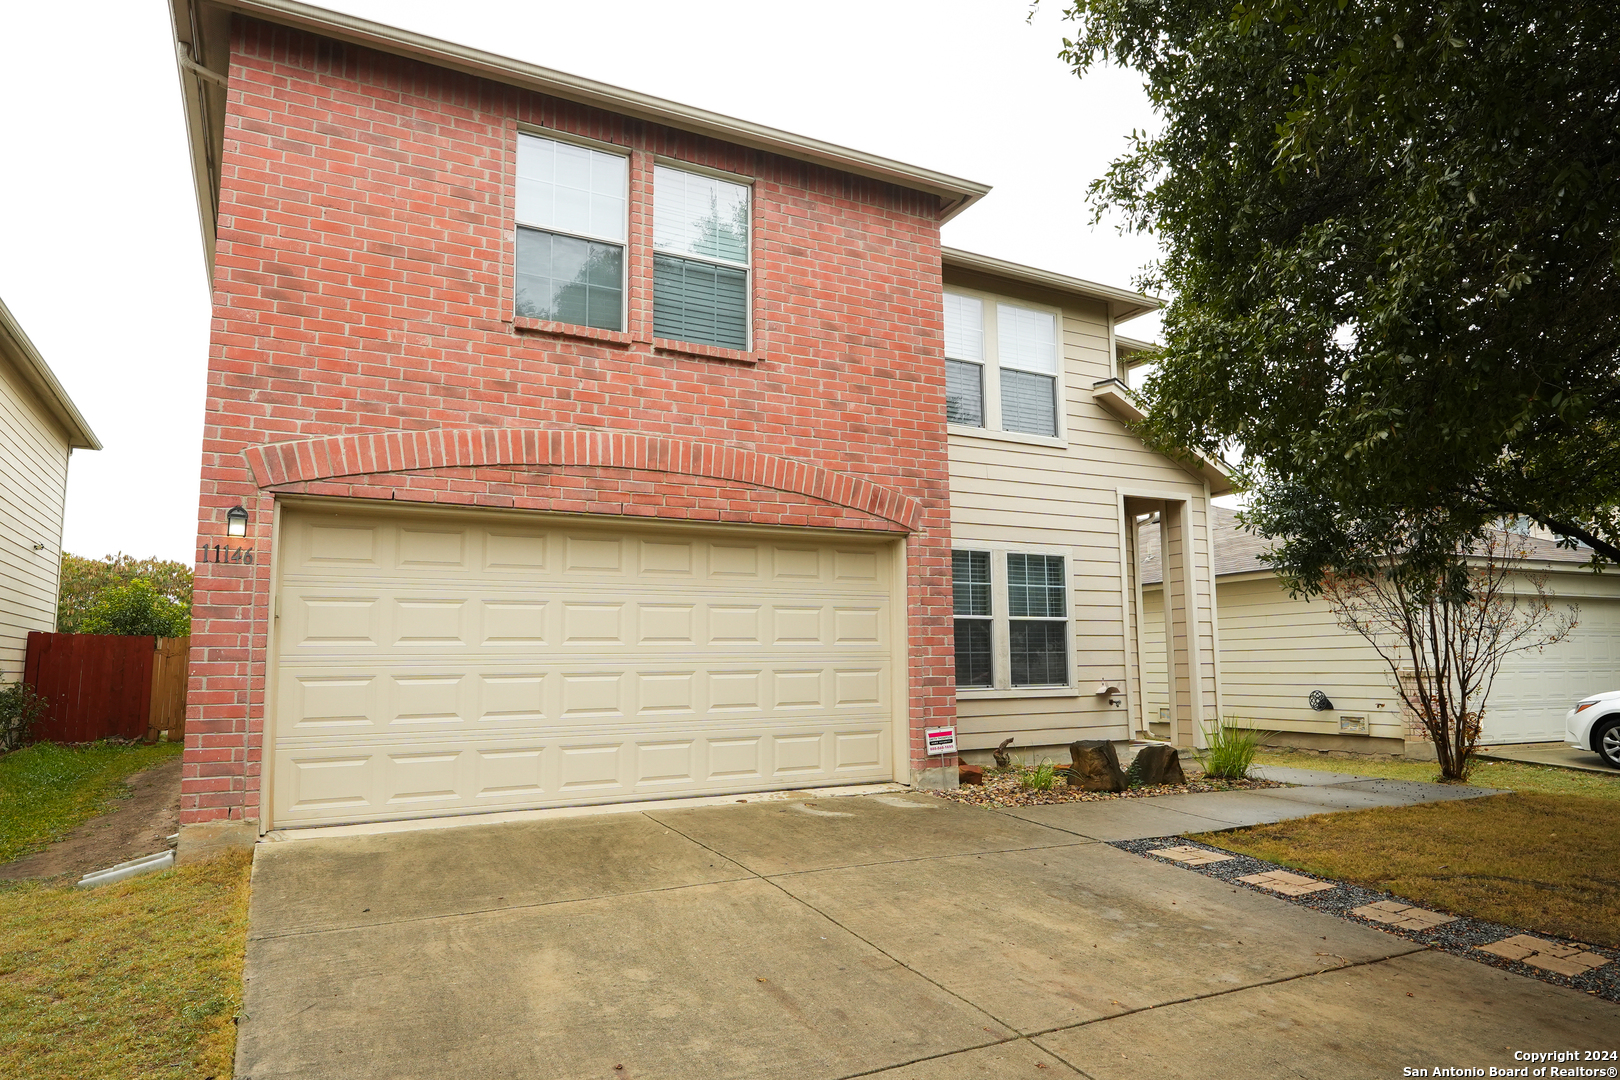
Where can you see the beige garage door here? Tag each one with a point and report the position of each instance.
(1535, 689)
(449, 664)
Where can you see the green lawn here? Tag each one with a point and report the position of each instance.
(47, 790)
(1510, 775)
(142, 978)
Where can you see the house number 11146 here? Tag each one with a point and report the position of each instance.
(227, 553)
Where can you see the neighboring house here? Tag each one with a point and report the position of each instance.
(39, 430)
(1275, 650)
(566, 445)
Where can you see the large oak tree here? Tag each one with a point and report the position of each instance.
(1390, 235)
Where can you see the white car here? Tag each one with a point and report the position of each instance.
(1594, 724)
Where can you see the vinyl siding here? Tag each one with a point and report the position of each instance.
(32, 485)
(1010, 494)
(1276, 649)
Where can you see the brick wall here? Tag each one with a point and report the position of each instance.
(363, 285)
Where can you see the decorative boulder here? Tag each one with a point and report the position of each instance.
(970, 774)
(1156, 764)
(1095, 766)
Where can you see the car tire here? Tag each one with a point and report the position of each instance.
(1606, 741)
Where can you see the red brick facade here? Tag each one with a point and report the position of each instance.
(364, 346)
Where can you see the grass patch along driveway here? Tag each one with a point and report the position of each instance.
(1507, 775)
(142, 978)
(1527, 859)
(47, 790)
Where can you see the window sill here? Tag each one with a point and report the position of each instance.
(570, 330)
(972, 693)
(707, 352)
(1006, 436)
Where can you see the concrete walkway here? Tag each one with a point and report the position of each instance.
(1558, 755)
(898, 936)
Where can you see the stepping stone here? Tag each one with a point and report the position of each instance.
(1404, 916)
(1192, 856)
(1281, 881)
(1568, 960)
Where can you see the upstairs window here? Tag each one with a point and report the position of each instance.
(701, 259)
(571, 227)
(1020, 351)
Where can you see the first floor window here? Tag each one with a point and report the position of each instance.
(1037, 628)
(1033, 621)
(571, 224)
(970, 588)
(701, 259)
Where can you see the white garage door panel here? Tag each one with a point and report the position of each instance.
(1534, 689)
(447, 665)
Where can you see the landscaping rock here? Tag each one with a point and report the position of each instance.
(1156, 764)
(1095, 766)
(970, 774)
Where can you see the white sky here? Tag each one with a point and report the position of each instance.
(101, 258)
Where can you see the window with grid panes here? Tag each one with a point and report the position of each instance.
(700, 259)
(970, 589)
(571, 222)
(1037, 620)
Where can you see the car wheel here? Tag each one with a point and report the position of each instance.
(1607, 742)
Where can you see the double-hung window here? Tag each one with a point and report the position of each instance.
(970, 587)
(1011, 620)
(700, 259)
(571, 225)
(1017, 350)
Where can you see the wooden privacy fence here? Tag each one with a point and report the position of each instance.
(98, 685)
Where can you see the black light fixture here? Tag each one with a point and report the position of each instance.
(1319, 701)
(236, 521)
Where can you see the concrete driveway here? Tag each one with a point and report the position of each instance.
(891, 935)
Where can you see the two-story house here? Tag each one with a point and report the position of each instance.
(565, 445)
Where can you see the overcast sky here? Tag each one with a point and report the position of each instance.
(101, 258)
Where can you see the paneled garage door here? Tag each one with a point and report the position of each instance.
(449, 664)
(1534, 689)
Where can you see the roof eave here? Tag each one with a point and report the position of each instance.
(1118, 399)
(955, 194)
(1122, 303)
(14, 343)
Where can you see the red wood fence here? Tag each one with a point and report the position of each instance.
(99, 685)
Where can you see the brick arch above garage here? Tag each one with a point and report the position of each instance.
(311, 461)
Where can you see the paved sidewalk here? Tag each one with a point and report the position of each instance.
(1558, 755)
(898, 936)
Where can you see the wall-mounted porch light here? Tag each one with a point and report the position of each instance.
(236, 521)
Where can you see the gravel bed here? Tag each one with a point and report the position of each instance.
(1460, 938)
(1001, 789)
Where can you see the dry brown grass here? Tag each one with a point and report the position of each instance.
(1530, 860)
(142, 978)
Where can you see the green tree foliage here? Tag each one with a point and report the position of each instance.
(84, 580)
(1391, 234)
(136, 608)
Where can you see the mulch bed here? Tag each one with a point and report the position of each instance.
(1460, 938)
(1002, 788)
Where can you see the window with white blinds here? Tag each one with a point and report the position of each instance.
(701, 259)
(571, 223)
(1017, 346)
(1012, 617)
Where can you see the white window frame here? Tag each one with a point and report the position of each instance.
(1001, 619)
(676, 165)
(990, 373)
(517, 222)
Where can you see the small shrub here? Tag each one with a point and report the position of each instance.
(1042, 777)
(20, 709)
(1230, 752)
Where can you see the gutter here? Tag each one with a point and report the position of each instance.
(21, 351)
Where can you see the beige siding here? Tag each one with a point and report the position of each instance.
(33, 480)
(1067, 499)
(1274, 650)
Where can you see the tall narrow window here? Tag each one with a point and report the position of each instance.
(964, 360)
(700, 259)
(970, 587)
(570, 233)
(1026, 349)
(1037, 626)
